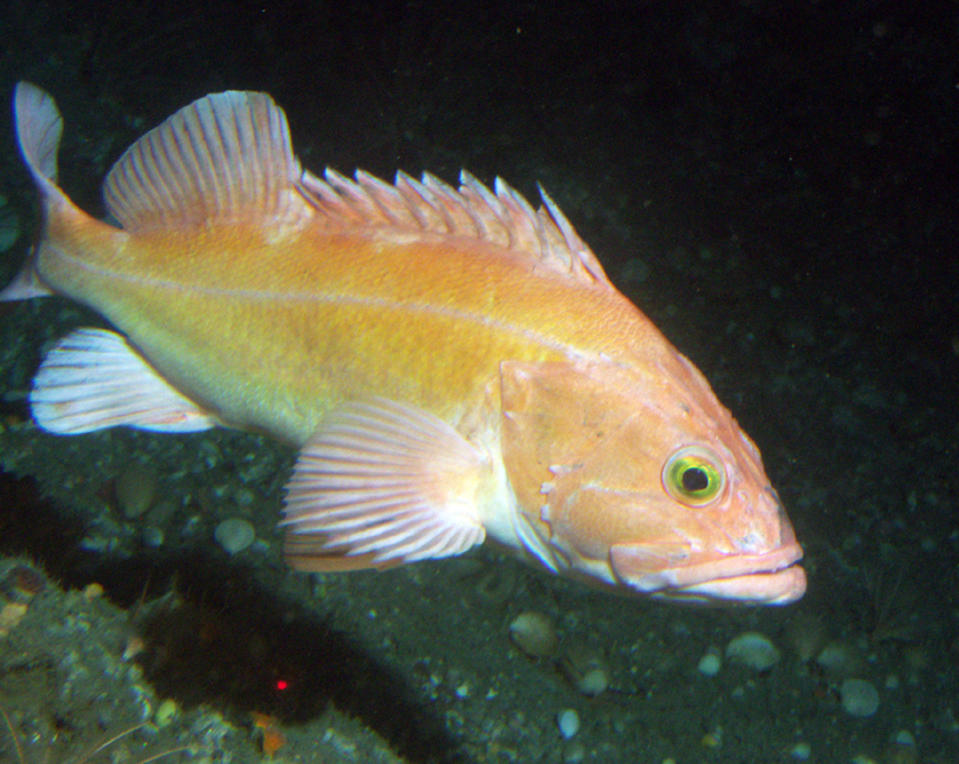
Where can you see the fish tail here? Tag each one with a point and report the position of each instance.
(39, 127)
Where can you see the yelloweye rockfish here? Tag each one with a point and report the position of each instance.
(450, 362)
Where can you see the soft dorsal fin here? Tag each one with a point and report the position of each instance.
(501, 216)
(224, 157)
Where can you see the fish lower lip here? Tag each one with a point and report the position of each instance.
(779, 588)
(773, 578)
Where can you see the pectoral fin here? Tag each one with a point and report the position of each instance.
(381, 484)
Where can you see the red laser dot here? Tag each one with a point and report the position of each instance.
(282, 684)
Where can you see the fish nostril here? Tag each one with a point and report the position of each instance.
(751, 542)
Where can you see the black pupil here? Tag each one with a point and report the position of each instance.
(695, 479)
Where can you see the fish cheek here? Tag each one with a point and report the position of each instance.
(590, 512)
(555, 415)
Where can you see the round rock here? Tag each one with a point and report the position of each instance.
(859, 697)
(234, 534)
(754, 650)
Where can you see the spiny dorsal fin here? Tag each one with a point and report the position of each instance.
(501, 216)
(224, 157)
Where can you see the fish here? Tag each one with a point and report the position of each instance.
(452, 364)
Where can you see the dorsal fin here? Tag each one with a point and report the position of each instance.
(500, 216)
(224, 157)
(228, 157)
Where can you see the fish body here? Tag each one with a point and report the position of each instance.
(451, 363)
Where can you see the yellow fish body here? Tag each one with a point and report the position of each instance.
(451, 363)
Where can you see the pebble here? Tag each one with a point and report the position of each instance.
(710, 663)
(901, 749)
(585, 669)
(801, 751)
(136, 488)
(152, 537)
(568, 722)
(534, 634)
(165, 713)
(593, 682)
(754, 650)
(234, 534)
(859, 697)
(575, 753)
(840, 659)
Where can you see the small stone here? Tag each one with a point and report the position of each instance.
(754, 650)
(806, 634)
(534, 634)
(568, 722)
(23, 582)
(92, 591)
(136, 488)
(593, 682)
(710, 663)
(574, 753)
(585, 669)
(152, 537)
(165, 713)
(712, 739)
(234, 534)
(801, 752)
(859, 697)
(840, 659)
(10, 616)
(901, 749)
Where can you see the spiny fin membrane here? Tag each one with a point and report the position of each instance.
(93, 379)
(381, 484)
(501, 216)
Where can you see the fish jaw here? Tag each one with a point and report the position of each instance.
(636, 543)
(758, 564)
(771, 578)
(742, 551)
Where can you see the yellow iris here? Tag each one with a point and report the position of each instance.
(694, 476)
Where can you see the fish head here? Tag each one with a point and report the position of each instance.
(638, 478)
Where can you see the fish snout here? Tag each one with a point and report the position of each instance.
(770, 578)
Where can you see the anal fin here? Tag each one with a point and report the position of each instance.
(93, 379)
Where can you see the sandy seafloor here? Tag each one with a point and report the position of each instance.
(774, 183)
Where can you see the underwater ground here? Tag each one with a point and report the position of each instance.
(774, 183)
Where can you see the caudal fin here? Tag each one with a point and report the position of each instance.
(39, 127)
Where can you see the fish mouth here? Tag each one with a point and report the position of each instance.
(771, 578)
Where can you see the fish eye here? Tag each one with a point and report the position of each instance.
(694, 476)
